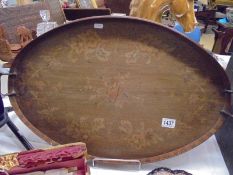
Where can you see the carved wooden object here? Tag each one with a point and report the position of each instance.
(25, 35)
(6, 54)
(183, 11)
(2, 33)
(110, 82)
(14, 47)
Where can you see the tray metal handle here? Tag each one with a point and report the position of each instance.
(7, 74)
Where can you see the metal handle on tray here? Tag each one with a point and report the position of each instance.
(6, 120)
(8, 74)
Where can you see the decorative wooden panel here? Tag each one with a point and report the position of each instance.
(27, 15)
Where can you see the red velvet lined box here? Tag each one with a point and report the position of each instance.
(65, 156)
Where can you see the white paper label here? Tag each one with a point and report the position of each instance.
(118, 14)
(168, 123)
(98, 26)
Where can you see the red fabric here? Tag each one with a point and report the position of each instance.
(40, 157)
(57, 158)
(79, 163)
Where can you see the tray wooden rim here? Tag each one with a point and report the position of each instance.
(163, 156)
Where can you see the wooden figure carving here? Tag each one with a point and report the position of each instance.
(183, 11)
(3, 36)
(2, 33)
(25, 35)
(6, 54)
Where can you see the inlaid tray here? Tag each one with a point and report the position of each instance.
(128, 88)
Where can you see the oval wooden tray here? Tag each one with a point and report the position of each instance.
(110, 81)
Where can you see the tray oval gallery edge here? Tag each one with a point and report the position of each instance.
(111, 81)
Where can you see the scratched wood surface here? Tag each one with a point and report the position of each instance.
(111, 87)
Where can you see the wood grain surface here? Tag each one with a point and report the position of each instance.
(111, 88)
(118, 6)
